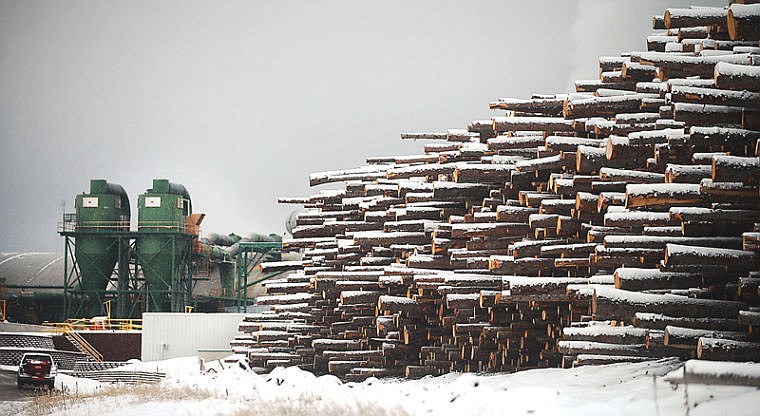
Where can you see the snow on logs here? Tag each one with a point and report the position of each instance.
(743, 21)
(737, 77)
(634, 199)
(662, 194)
(611, 303)
(736, 169)
(702, 16)
(505, 124)
(721, 349)
(682, 255)
(635, 279)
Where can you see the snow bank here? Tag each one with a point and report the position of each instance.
(626, 388)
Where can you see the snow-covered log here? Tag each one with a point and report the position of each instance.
(638, 219)
(645, 195)
(545, 106)
(721, 349)
(701, 16)
(601, 106)
(688, 337)
(735, 76)
(744, 98)
(736, 169)
(611, 303)
(505, 124)
(744, 22)
(677, 254)
(637, 279)
(606, 334)
(659, 321)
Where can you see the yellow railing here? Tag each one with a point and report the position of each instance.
(72, 226)
(124, 226)
(93, 325)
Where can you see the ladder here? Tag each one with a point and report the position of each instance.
(82, 345)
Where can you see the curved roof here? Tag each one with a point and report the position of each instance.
(22, 271)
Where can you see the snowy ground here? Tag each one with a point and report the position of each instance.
(624, 389)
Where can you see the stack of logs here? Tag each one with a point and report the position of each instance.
(618, 223)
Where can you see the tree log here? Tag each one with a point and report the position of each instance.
(736, 169)
(688, 337)
(665, 194)
(601, 106)
(702, 16)
(735, 76)
(676, 254)
(611, 303)
(646, 279)
(744, 22)
(683, 94)
(660, 321)
(549, 124)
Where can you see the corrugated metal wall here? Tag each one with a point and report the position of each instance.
(172, 335)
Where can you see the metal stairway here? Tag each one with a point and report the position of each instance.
(82, 345)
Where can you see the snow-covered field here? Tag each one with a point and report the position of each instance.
(619, 389)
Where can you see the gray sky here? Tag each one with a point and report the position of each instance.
(240, 101)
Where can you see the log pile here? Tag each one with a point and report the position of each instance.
(617, 223)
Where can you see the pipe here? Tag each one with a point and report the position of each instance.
(116, 189)
(179, 189)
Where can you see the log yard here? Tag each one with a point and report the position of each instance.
(592, 250)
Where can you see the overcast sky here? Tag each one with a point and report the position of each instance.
(240, 101)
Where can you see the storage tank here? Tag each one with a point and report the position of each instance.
(100, 214)
(165, 244)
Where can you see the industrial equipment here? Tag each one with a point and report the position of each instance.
(167, 229)
(156, 266)
(99, 214)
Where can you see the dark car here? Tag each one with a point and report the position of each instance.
(36, 369)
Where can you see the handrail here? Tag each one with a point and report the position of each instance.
(72, 224)
(84, 346)
(93, 325)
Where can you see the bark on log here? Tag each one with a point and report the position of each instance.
(546, 106)
(715, 215)
(638, 219)
(713, 96)
(736, 169)
(601, 106)
(665, 194)
(709, 115)
(630, 176)
(735, 76)
(610, 303)
(674, 65)
(515, 142)
(676, 254)
(675, 173)
(549, 124)
(647, 279)
(719, 349)
(688, 337)
(659, 321)
(703, 16)
(743, 22)
(606, 334)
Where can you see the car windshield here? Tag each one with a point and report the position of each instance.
(37, 358)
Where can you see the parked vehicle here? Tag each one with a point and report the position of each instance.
(36, 369)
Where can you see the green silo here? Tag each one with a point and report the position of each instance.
(99, 214)
(165, 244)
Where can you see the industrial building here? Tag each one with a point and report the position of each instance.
(91, 299)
